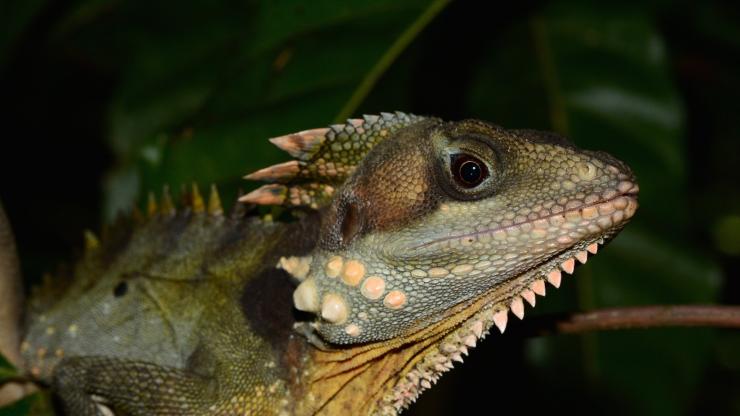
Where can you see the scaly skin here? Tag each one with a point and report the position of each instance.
(411, 238)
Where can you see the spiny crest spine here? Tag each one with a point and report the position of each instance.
(53, 286)
(325, 157)
(167, 207)
(196, 201)
(191, 198)
(214, 203)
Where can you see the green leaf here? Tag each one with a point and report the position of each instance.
(199, 87)
(15, 16)
(599, 74)
(37, 404)
(198, 98)
(19, 408)
(6, 369)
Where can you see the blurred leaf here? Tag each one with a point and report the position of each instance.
(15, 16)
(603, 76)
(6, 369)
(199, 97)
(37, 404)
(21, 407)
(727, 234)
(200, 86)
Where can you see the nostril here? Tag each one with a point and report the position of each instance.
(611, 161)
(342, 224)
(586, 171)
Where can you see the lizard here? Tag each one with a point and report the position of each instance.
(403, 241)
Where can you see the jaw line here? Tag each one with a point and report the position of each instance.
(629, 195)
(491, 309)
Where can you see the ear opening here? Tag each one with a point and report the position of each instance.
(351, 222)
(326, 157)
(343, 223)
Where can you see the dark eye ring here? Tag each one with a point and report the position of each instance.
(468, 171)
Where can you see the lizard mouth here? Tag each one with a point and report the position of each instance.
(492, 308)
(610, 210)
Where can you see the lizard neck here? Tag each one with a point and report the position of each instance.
(385, 377)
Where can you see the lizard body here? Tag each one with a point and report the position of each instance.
(411, 238)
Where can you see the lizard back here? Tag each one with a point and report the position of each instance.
(152, 289)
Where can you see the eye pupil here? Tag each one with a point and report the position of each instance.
(470, 172)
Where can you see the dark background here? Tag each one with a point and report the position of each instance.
(103, 101)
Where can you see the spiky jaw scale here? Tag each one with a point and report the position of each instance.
(493, 309)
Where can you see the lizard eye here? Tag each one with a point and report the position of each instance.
(468, 167)
(468, 170)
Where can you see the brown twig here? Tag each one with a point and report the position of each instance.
(718, 316)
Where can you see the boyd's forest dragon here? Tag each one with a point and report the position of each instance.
(404, 240)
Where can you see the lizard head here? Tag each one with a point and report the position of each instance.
(431, 233)
(439, 215)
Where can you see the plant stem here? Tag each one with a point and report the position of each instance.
(390, 56)
(717, 316)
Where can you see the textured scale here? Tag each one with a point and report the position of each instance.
(159, 300)
(388, 274)
(326, 157)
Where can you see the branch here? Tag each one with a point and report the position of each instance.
(636, 317)
(11, 294)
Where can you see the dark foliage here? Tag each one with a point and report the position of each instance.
(105, 100)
